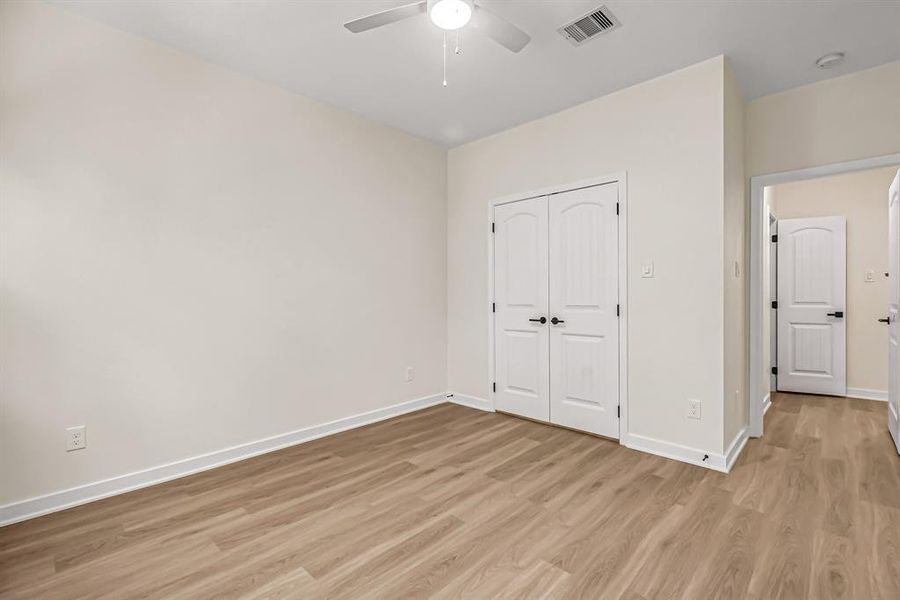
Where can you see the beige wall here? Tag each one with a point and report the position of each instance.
(846, 118)
(735, 308)
(192, 259)
(668, 135)
(862, 198)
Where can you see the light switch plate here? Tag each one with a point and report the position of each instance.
(647, 268)
(870, 276)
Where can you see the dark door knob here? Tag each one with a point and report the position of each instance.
(542, 320)
(885, 320)
(556, 321)
(839, 314)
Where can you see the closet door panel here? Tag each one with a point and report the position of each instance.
(584, 359)
(521, 343)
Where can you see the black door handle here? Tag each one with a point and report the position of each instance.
(556, 321)
(885, 320)
(838, 314)
(542, 320)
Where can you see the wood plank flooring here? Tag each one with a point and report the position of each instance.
(451, 502)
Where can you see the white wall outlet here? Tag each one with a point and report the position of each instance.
(693, 409)
(410, 374)
(647, 268)
(870, 276)
(76, 438)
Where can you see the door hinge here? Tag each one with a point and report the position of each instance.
(495, 387)
(492, 228)
(617, 310)
(775, 304)
(774, 370)
(493, 307)
(775, 238)
(619, 411)
(617, 208)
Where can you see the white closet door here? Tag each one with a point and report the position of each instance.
(520, 294)
(812, 296)
(584, 350)
(894, 311)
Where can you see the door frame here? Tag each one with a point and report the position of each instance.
(620, 180)
(773, 313)
(893, 416)
(758, 304)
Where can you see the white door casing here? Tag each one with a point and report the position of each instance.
(584, 351)
(759, 369)
(894, 311)
(812, 266)
(521, 351)
(773, 297)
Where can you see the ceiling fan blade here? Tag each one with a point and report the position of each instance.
(386, 17)
(499, 29)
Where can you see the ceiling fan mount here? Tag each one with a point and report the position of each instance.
(449, 15)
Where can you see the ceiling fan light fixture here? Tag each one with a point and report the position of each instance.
(450, 14)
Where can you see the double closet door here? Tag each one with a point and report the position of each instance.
(556, 324)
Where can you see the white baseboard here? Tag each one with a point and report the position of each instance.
(470, 401)
(693, 456)
(736, 446)
(56, 501)
(767, 403)
(865, 394)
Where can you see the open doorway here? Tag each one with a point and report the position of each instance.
(829, 302)
(820, 287)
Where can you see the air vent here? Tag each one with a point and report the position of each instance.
(589, 26)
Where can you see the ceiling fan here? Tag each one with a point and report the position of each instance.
(450, 15)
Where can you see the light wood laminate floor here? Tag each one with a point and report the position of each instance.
(452, 502)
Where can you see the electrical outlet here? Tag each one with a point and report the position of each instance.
(693, 409)
(410, 374)
(76, 438)
(870, 276)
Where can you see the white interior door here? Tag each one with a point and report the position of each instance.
(584, 327)
(812, 282)
(521, 299)
(893, 308)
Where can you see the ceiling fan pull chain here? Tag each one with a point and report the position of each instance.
(445, 59)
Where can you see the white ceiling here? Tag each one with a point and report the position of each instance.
(393, 74)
